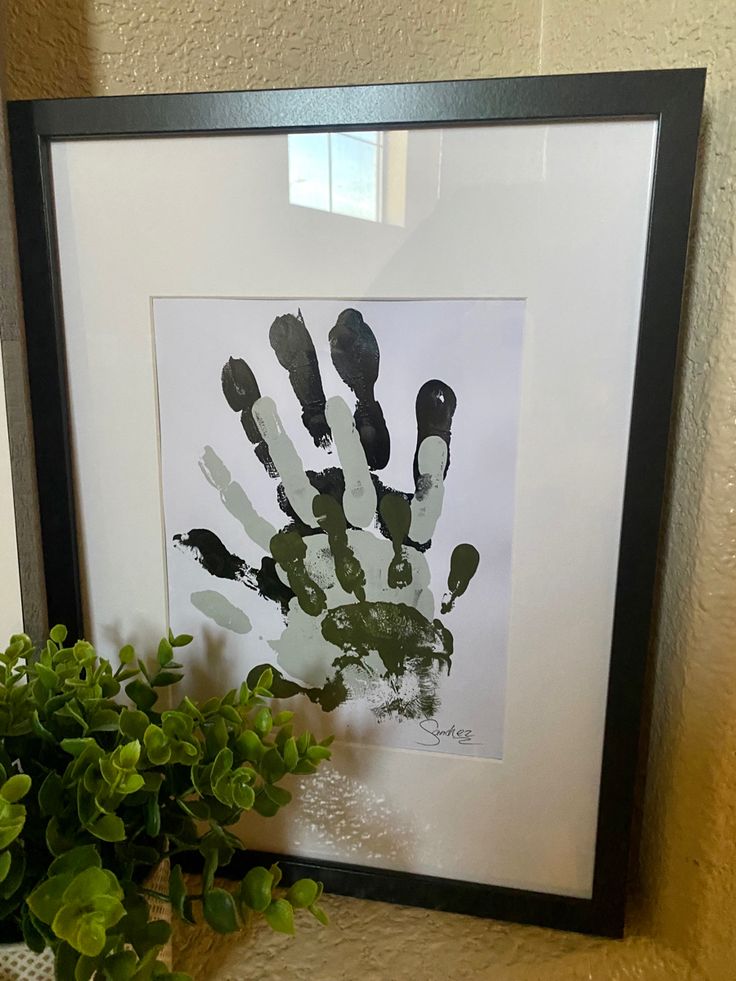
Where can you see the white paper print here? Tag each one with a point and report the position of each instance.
(338, 489)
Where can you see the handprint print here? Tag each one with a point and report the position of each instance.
(348, 566)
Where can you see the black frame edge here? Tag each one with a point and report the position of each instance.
(46, 355)
(646, 469)
(390, 104)
(425, 891)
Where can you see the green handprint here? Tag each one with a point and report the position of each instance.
(348, 568)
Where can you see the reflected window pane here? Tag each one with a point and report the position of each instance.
(338, 172)
(354, 177)
(309, 170)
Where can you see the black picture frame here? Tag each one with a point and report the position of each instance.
(674, 99)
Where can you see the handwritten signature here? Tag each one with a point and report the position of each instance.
(432, 727)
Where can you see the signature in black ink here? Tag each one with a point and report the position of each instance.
(431, 726)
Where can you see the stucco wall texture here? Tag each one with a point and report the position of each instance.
(682, 923)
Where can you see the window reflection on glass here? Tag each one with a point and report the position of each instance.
(338, 172)
(309, 169)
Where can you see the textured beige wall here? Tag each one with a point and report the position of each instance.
(103, 47)
(683, 916)
(689, 835)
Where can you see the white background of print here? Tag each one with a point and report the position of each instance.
(474, 346)
(554, 213)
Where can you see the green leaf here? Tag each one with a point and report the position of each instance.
(65, 961)
(223, 790)
(12, 819)
(152, 781)
(188, 707)
(157, 745)
(178, 895)
(87, 808)
(141, 694)
(50, 795)
(273, 767)
(133, 723)
(316, 754)
(264, 806)
(230, 714)
(319, 914)
(198, 809)
(303, 893)
(219, 911)
(5, 861)
(85, 968)
(58, 633)
(109, 828)
(32, 934)
(40, 729)
(142, 855)
(291, 753)
(153, 817)
(131, 783)
(71, 711)
(210, 867)
(159, 933)
(84, 933)
(256, 888)
(104, 720)
(262, 721)
(93, 884)
(14, 878)
(277, 874)
(16, 787)
(77, 860)
(304, 742)
(77, 746)
(243, 794)
(304, 766)
(278, 795)
(165, 652)
(47, 676)
(223, 764)
(46, 899)
(265, 680)
(165, 678)
(110, 687)
(58, 841)
(127, 654)
(129, 754)
(249, 747)
(280, 916)
(121, 966)
(182, 640)
(216, 735)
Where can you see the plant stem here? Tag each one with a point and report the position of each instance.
(162, 895)
(154, 893)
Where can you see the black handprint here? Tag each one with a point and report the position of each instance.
(348, 567)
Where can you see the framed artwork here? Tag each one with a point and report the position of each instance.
(373, 385)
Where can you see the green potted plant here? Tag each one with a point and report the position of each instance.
(97, 793)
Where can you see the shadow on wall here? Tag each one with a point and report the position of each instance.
(46, 49)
